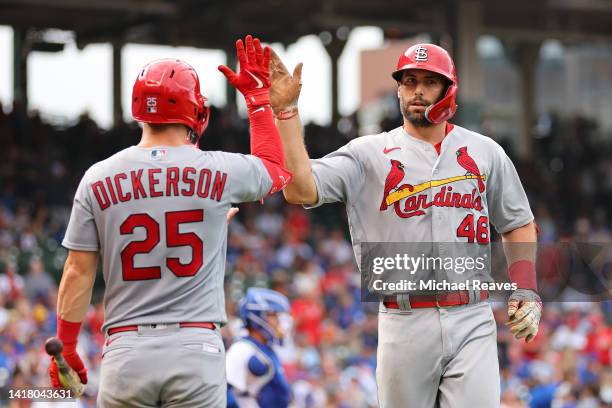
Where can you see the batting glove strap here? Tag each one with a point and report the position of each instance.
(257, 98)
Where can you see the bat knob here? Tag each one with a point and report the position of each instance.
(53, 346)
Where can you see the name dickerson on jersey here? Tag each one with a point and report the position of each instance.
(185, 181)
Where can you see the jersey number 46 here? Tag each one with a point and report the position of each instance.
(479, 232)
(174, 238)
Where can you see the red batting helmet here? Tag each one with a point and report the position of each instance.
(168, 91)
(432, 58)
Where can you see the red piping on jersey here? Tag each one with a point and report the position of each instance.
(266, 144)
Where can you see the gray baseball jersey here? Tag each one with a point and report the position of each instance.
(158, 218)
(399, 189)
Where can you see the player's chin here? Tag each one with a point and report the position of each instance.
(417, 119)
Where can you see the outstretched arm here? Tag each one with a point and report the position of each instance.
(253, 81)
(73, 300)
(284, 94)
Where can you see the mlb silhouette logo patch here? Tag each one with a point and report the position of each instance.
(159, 154)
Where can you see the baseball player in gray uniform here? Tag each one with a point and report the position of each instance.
(425, 181)
(156, 215)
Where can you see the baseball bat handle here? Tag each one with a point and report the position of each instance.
(67, 376)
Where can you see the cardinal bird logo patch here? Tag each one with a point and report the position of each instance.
(410, 200)
(465, 161)
(395, 176)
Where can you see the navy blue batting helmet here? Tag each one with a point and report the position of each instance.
(256, 305)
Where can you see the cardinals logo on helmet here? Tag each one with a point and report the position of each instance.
(420, 54)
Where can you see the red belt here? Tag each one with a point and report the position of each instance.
(438, 300)
(134, 327)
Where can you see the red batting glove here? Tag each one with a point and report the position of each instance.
(68, 333)
(77, 365)
(253, 79)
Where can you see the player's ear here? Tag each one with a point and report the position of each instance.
(398, 89)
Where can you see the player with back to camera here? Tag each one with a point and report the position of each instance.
(426, 181)
(255, 375)
(156, 214)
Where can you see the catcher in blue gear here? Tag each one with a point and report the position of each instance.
(255, 376)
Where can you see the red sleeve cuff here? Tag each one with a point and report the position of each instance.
(280, 176)
(523, 273)
(266, 144)
(68, 332)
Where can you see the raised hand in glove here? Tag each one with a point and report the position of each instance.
(285, 88)
(253, 79)
(524, 313)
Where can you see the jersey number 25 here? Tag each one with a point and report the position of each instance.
(173, 239)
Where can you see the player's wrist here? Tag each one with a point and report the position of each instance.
(257, 98)
(286, 113)
(523, 274)
(280, 104)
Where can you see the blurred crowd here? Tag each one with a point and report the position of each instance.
(330, 356)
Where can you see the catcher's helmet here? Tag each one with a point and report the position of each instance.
(256, 305)
(168, 91)
(432, 58)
